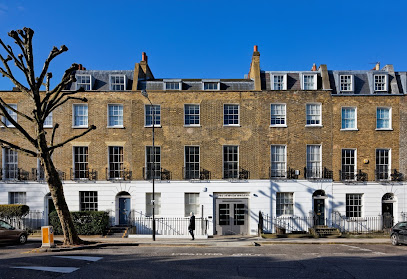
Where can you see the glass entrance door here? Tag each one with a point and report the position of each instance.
(231, 216)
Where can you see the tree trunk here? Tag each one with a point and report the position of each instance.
(57, 193)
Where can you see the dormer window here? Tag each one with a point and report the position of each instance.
(380, 82)
(346, 83)
(117, 82)
(211, 85)
(279, 81)
(172, 85)
(84, 81)
(309, 82)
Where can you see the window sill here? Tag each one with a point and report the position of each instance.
(115, 127)
(278, 126)
(80, 127)
(354, 129)
(384, 129)
(192, 126)
(48, 127)
(232, 125)
(155, 126)
(314, 126)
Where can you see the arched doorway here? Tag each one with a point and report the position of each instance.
(319, 207)
(388, 201)
(123, 202)
(49, 207)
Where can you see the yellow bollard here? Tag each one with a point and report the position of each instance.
(47, 233)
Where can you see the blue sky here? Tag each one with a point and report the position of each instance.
(212, 39)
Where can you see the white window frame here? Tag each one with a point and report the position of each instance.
(191, 204)
(390, 119)
(223, 163)
(77, 173)
(285, 208)
(355, 167)
(279, 116)
(118, 117)
(378, 165)
(281, 172)
(12, 114)
(48, 122)
(283, 82)
(344, 128)
(357, 209)
(315, 81)
(149, 204)
(313, 115)
(113, 83)
(238, 115)
(156, 115)
(9, 173)
(199, 115)
(17, 198)
(85, 117)
(207, 82)
(186, 161)
(84, 85)
(384, 84)
(167, 82)
(349, 84)
(316, 172)
(115, 167)
(157, 168)
(91, 204)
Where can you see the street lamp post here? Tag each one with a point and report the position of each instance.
(145, 94)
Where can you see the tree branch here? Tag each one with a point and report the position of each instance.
(7, 73)
(93, 127)
(18, 126)
(54, 53)
(6, 144)
(16, 111)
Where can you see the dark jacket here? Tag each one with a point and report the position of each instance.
(191, 225)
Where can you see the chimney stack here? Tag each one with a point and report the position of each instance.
(144, 57)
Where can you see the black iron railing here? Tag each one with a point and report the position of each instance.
(83, 175)
(317, 173)
(113, 175)
(351, 176)
(14, 174)
(283, 174)
(202, 174)
(160, 174)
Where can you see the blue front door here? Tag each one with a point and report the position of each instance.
(124, 210)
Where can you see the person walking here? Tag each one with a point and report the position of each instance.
(191, 226)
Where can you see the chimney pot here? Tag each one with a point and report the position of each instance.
(256, 48)
(314, 67)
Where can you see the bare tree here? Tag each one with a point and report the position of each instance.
(41, 105)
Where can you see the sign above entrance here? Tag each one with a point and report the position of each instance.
(232, 196)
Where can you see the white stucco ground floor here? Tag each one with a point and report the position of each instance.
(227, 207)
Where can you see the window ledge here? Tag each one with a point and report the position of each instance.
(353, 129)
(231, 125)
(48, 127)
(115, 127)
(278, 126)
(314, 126)
(384, 129)
(192, 126)
(80, 127)
(155, 126)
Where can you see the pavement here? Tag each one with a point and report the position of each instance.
(217, 241)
